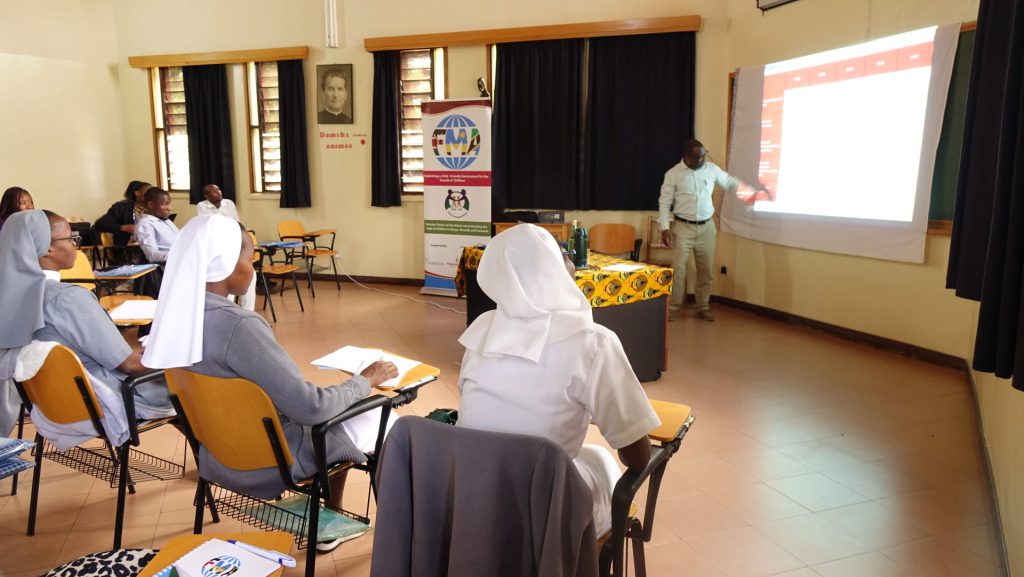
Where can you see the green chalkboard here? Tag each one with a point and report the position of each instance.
(947, 158)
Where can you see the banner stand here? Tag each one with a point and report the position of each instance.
(456, 186)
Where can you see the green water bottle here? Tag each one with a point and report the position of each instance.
(570, 244)
(580, 243)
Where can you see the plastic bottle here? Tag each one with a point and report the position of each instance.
(581, 245)
(570, 244)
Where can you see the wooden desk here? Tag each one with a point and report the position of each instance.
(321, 232)
(107, 281)
(178, 546)
(674, 417)
(559, 230)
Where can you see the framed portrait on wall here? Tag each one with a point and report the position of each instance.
(334, 94)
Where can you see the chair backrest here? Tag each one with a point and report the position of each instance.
(81, 269)
(107, 238)
(612, 238)
(54, 389)
(226, 416)
(287, 228)
(257, 255)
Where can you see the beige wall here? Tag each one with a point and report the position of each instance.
(59, 106)
(77, 158)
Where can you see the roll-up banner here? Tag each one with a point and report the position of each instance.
(456, 186)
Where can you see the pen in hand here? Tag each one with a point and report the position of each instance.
(269, 554)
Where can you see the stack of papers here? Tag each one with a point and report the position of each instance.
(355, 359)
(134, 310)
(10, 463)
(622, 267)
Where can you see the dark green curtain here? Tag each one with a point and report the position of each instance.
(986, 259)
(386, 153)
(210, 155)
(639, 113)
(294, 150)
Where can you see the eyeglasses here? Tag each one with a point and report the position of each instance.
(76, 239)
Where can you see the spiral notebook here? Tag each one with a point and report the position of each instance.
(215, 558)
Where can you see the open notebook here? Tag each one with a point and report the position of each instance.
(354, 359)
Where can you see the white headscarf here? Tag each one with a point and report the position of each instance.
(24, 239)
(523, 271)
(206, 250)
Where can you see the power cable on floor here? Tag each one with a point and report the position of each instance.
(406, 297)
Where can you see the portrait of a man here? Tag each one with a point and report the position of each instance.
(334, 99)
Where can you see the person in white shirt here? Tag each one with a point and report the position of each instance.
(154, 231)
(540, 365)
(215, 203)
(685, 217)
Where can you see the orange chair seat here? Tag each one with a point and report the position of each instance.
(279, 268)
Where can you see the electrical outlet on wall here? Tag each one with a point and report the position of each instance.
(337, 256)
(724, 269)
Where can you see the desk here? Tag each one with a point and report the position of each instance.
(632, 304)
(560, 230)
(178, 546)
(108, 280)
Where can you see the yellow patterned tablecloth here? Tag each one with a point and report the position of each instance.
(602, 288)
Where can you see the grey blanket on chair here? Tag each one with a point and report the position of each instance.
(460, 502)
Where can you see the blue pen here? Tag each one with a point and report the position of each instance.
(275, 556)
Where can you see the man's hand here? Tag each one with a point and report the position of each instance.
(129, 228)
(379, 372)
(666, 238)
(748, 194)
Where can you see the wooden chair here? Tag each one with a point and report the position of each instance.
(615, 239)
(277, 270)
(237, 423)
(310, 250)
(62, 391)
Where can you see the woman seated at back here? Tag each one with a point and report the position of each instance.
(198, 327)
(34, 247)
(15, 199)
(540, 365)
(121, 216)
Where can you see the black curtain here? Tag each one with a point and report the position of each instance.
(294, 152)
(537, 125)
(639, 114)
(386, 170)
(986, 258)
(210, 155)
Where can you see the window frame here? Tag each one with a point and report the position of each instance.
(254, 135)
(158, 115)
(438, 91)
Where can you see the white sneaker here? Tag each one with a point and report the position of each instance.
(328, 546)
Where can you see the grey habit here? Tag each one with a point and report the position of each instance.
(24, 238)
(240, 343)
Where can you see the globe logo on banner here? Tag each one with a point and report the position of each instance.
(456, 142)
(221, 566)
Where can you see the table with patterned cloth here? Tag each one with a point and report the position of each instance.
(634, 304)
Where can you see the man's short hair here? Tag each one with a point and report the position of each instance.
(154, 193)
(209, 187)
(332, 73)
(691, 146)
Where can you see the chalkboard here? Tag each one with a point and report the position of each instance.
(947, 158)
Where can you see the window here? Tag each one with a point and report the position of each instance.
(170, 123)
(264, 127)
(422, 78)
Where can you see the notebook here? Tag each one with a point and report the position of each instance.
(216, 558)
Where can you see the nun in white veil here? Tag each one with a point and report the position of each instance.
(197, 326)
(539, 365)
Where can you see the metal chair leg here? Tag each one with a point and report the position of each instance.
(267, 298)
(212, 504)
(334, 265)
(34, 501)
(313, 523)
(309, 277)
(295, 283)
(122, 484)
(201, 491)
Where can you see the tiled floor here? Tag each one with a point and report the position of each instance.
(810, 456)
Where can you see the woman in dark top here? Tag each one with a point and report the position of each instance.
(121, 216)
(16, 199)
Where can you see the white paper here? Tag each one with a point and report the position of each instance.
(622, 267)
(354, 359)
(134, 310)
(229, 559)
